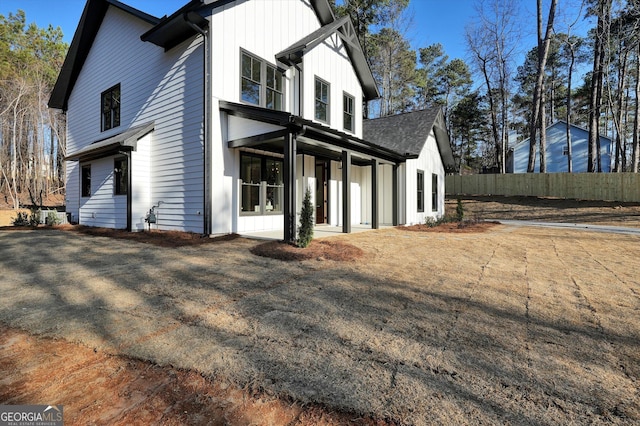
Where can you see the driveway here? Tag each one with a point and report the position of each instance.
(520, 325)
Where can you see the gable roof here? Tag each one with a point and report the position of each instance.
(407, 133)
(90, 21)
(343, 27)
(563, 123)
(170, 31)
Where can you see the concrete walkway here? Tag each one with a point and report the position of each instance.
(319, 231)
(581, 226)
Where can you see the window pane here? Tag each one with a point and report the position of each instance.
(434, 192)
(250, 169)
(250, 198)
(271, 77)
(246, 66)
(250, 91)
(274, 198)
(86, 181)
(420, 191)
(279, 78)
(274, 172)
(321, 111)
(255, 70)
(348, 121)
(121, 176)
(274, 100)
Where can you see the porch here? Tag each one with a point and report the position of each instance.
(352, 182)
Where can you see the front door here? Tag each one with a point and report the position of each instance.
(322, 174)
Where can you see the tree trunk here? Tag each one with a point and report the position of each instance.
(593, 164)
(635, 158)
(536, 107)
(569, 76)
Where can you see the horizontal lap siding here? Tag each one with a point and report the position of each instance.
(158, 86)
(103, 208)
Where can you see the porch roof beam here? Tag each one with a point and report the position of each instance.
(256, 140)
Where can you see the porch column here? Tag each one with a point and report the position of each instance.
(394, 195)
(290, 149)
(375, 218)
(346, 192)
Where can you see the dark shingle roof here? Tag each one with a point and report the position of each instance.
(407, 133)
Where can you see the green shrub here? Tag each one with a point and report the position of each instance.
(34, 218)
(305, 233)
(21, 219)
(52, 219)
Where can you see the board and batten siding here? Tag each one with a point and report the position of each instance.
(329, 62)
(263, 29)
(156, 86)
(430, 162)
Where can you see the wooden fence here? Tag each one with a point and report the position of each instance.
(582, 186)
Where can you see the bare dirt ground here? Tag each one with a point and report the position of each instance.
(550, 210)
(511, 325)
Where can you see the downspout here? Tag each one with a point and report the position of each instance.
(207, 121)
(129, 192)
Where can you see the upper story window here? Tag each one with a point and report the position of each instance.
(347, 112)
(322, 101)
(110, 101)
(261, 83)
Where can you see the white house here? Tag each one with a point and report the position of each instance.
(219, 116)
(557, 151)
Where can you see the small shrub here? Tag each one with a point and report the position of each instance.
(305, 233)
(21, 219)
(52, 219)
(34, 218)
(459, 211)
(431, 222)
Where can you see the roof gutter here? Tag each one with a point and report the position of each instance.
(206, 119)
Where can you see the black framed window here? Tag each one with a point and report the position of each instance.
(322, 100)
(85, 180)
(347, 112)
(261, 83)
(434, 192)
(420, 191)
(110, 101)
(121, 176)
(274, 89)
(262, 184)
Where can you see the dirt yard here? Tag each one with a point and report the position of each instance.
(511, 325)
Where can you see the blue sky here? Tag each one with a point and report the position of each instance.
(434, 21)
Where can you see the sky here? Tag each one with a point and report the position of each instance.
(434, 21)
